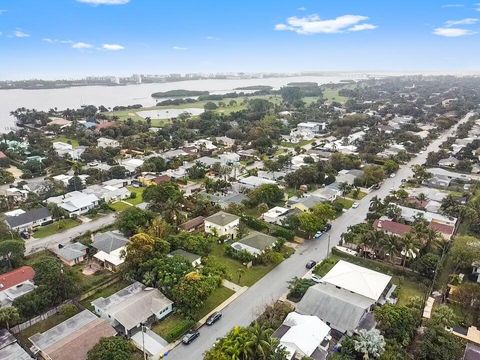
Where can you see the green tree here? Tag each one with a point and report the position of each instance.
(310, 223)
(133, 219)
(438, 344)
(8, 316)
(370, 343)
(298, 287)
(112, 348)
(269, 194)
(390, 166)
(11, 252)
(140, 248)
(158, 195)
(75, 184)
(397, 322)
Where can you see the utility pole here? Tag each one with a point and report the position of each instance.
(328, 244)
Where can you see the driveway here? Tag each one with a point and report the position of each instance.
(272, 286)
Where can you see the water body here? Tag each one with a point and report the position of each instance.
(168, 113)
(110, 96)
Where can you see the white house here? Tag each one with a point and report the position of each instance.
(75, 202)
(63, 149)
(66, 178)
(110, 245)
(132, 306)
(304, 336)
(108, 193)
(255, 243)
(106, 142)
(223, 224)
(276, 215)
(252, 182)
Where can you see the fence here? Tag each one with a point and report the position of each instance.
(20, 327)
(91, 292)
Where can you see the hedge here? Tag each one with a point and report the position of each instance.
(178, 330)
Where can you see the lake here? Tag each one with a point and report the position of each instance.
(110, 96)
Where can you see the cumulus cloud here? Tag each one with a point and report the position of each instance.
(81, 45)
(112, 47)
(104, 2)
(313, 24)
(467, 21)
(179, 48)
(20, 34)
(452, 32)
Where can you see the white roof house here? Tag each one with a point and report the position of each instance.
(132, 164)
(410, 215)
(304, 335)
(275, 215)
(75, 202)
(106, 142)
(253, 182)
(66, 178)
(368, 283)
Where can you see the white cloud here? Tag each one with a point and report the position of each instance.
(313, 24)
(361, 27)
(212, 38)
(453, 6)
(2, 11)
(467, 21)
(112, 47)
(20, 34)
(104, 2)
(452, 32)
(179, 48)
(50, 41)
(81, 45)
(302, 8)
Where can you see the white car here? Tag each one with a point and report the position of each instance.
(355, 205)
(392, 175)
(316, 278)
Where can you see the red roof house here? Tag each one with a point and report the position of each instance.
(16, 277)
(391, 227)
(446, 230)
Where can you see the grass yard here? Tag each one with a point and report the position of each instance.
(176, 325)
(119, 206)
(250, 277)
(300, 143)
(41, 327)
(88, 282)
(55, 228)
(105, 292)
(360, 195)
(62, 138)
(346, 203)
(139, 198)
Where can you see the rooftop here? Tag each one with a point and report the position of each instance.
(71, 251)
(109, 241)
(391, 227)
(185, 254)
(258, 240)
(27, 217)
(16, 277)
(222, 218)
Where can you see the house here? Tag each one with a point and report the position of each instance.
(104, 142)
(304, 336)
(20, 220)
(445, 230)
(10, 349)
(391, 227)
(225, 199)
(73, 338)
(449, 174)
(63, 149)
(328, 193)
(108, 193)
(229, 158)
(271, 175)
(225, 141)
(75, 202)
(449, 162)
(72, 254)
(193, 224)
(410, 215)
(222, 224)
(310, 127)
(252, 182)
(304, 203)
(348, 176)
(193, 259)
(472, 352)
(346, 295)
(149, 342)
(132, 306)
(255, 243)
(276, 215)
(16, 283)
(110, 246)
(65, 179)
(131, 164)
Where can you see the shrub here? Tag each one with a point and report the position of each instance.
(254, 223)
(283, 233)
(178, 330)
(242, 256)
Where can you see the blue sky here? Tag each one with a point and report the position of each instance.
(75, 38)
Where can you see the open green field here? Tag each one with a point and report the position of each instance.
(346, 203)
(62, 138)
(332, 95)
(250, 277)
(55, 228)
(227, 109)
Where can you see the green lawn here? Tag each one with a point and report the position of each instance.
(105, 292)
(360, 195)
(40, 327)
(332, 95)
(119, 206)
(62, 138)
(346, 203)
(300, 143)
(88, 282)
(139, 198)
(250, 277)
(166, 328)
(325, 266)
(55, 228)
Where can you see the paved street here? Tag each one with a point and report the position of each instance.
(272, 286)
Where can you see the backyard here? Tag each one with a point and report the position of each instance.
(105, 292)
(54, 228)
(139, 195)
(62, 138)
(120, 206)
(346, 203)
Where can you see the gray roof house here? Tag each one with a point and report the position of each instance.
(255, 243)
(108, 241)
(28, 219)
(72, 254)
(128, 308)
(9, 348)
(192, 258)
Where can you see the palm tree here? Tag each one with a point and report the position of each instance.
(261, 344)
(409, 246)
(370, 343)
(240, 273)
(390, 246)
(376, 204)
(9, 315)
(171, 211)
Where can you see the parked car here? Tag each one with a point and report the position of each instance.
(355, 205)
(311, 264)
(316, 278)
(392, 175)
(376, 187)
(190, 336)
(317, 235)
(212, 319)
(327, 227)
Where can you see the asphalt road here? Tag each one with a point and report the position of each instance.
(272, 286)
